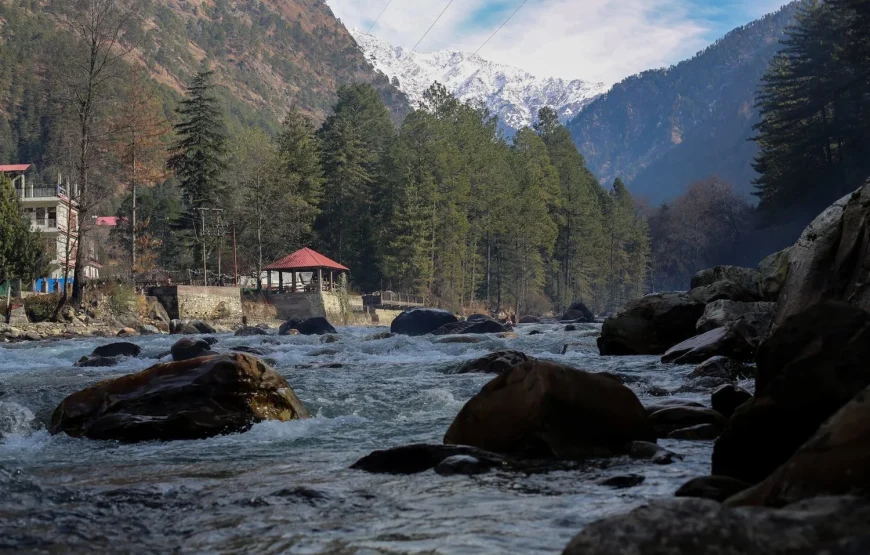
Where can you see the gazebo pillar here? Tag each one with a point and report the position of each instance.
(280, 281)
(293, 278)
(269, 281)
(320, 279)
(331, 282)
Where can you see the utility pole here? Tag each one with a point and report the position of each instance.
(211, 231)
(235, 259)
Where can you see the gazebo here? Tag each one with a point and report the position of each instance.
(304, 261)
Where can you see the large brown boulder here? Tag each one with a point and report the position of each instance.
(546, 410)
(312, 326)
(835, 461)
(188, 348)
(193, 399)
(700, 526)
(650, 325)
(831, 260)
(811, 366)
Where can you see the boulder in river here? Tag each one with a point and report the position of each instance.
(472, 326)
(190, 327)
(578, 312)
(669, 419)
(545, 410)
(530, 320)
(812, 365)
(312, 326)
(692, 526)
(194, 399)
(650, 325)
(93, 361)
(121, 349)
(724, 313)
(835, 461)
(188, 348)
(248, 331)
(413, 459)
(727, 341)
(421, 321)
(722, 367)
(493, 363)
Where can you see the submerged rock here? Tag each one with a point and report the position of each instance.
(722, 367)
(420, 321)
(188, 348)
(694, 526)
(651, 451)
(493, 363)
(465, 465)
(193, 399)
(546, 410)
(94, 361)
(472, 326)
(650, 325)
(624, 481)
(312, 326)
(698, 432)
(413, 459)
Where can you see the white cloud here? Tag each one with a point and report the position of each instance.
(598, 40)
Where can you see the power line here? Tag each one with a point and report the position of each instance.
(502, 25)
(379, 17)
(430, 27)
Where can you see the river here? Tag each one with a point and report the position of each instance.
(287, 487)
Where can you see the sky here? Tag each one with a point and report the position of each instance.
(594, 40)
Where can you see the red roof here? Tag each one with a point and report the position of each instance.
(14, 168)
(108, 221)
(306, 259)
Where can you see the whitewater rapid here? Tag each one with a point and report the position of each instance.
(287, 487)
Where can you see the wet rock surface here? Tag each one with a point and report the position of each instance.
(650, 325)
(311, 326)
(494, 363)
(420, 321)
(194, 399)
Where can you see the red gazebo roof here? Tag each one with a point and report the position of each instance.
(14, 168)
(305, 259)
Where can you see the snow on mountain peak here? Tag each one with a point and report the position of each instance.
(512, 93)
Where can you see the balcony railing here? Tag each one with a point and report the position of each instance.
(40, 192)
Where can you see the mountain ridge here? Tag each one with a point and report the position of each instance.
(515, 95)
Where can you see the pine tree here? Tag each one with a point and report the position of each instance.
(355, 141)
(198, 153)
(299, 176)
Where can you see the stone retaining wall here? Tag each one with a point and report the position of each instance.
(310, 305)
(188, 302)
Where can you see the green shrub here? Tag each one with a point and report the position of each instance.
(40, 308)
(121, 298)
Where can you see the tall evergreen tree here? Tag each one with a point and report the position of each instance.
(197, 156)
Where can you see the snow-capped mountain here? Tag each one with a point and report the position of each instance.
(512, 93)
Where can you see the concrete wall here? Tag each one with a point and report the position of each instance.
(188, 302)
(326, 304)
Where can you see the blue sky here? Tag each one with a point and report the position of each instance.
(600, 40)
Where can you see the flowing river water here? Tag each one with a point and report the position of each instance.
(287, 487)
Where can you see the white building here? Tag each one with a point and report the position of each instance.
(55, 215)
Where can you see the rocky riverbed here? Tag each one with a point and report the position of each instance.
(288, 486)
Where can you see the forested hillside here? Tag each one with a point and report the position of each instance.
(266, 55)
(663, 129)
